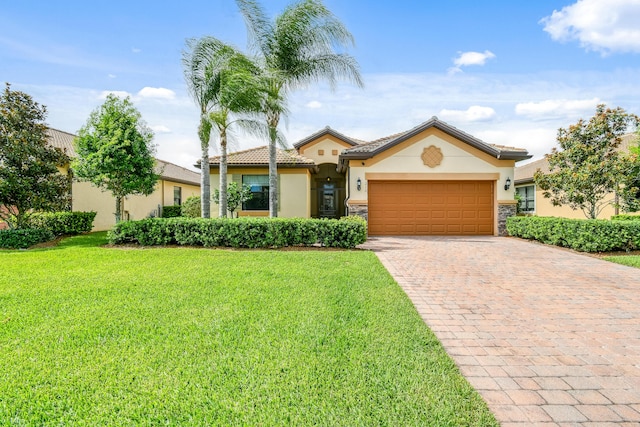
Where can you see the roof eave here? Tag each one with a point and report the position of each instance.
(262, 165)
(322, 132)
(514, 155)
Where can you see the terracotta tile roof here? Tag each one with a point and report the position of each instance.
(524, 173)
(167, 170)
(173, 172)
(259, 156)
(62, 140)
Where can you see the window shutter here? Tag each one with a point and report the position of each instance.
(279, 195)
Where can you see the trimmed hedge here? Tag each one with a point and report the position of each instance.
(585, 235)
(625, 217)
(172, 211)
(63, 223)
(242, 232)
(23, 238)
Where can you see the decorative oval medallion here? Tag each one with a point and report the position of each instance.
(432, 156)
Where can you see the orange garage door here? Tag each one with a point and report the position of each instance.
(430, 207)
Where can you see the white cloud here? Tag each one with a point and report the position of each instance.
(551, 108)
(466, 59)
(160, 129)
(111, 76)
(314, 104)
(602, 26)
(474, 113)
(156, 93)
(135, 50)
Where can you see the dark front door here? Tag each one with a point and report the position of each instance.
(327, 205)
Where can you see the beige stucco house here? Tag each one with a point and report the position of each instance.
(432, 179)
(533, 202)
(175, 185)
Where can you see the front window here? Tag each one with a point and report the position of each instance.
(177, 195)
(527, 198)
(259, 185)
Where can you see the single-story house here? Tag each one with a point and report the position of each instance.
(533, 202)
(175, 185)
(433, 179)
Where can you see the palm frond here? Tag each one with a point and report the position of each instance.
(259, 27)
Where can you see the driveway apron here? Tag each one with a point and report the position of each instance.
(547, 336)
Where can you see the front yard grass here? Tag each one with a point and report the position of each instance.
(93, 335)
(630, 260)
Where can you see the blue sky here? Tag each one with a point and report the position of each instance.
(507, 72)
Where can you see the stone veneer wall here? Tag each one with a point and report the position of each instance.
(359, 210)
(504, 212)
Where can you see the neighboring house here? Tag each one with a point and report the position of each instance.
(175, 185)
(533, 202)
(432, 179)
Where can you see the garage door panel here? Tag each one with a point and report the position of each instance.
(431, 207)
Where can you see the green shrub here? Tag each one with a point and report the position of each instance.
(63, 223)
(243, 232)
(625, 217)
(171, 211)
(585, 235)
(22, 238)
(191, 207)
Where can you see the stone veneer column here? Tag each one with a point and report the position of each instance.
(361, 210)
(505, 210)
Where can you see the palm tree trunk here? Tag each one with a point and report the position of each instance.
(273, 170)
(223, 173)
(205, 184)
(204, 132)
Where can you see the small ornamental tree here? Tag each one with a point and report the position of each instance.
(115, 152)
(29, 176)
(630, 191)
(588, 168)
(236, 196)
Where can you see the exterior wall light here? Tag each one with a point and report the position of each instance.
(507, 183)
(359, 184)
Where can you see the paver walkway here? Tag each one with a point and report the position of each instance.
(547, 336)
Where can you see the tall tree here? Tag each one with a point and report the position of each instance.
(588, 168)
(115, 151)
(235, 97)
(29, 175)
(297, 48)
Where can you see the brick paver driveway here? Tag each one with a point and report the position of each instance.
(547, 336)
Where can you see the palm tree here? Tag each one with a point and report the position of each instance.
(297, 48)
(228, 89)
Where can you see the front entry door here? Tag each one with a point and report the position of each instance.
(328, 201)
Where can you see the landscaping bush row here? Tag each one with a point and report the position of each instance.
(22, 238)
(63, 223)
(625, 217)
(173, 211)
(242, 232)
(593, 235)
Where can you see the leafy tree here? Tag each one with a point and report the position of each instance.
(29, 176)
(235, 93)
(296, 49)
(588, 167)
(630, 191)
(115, 151)
(192, 207)
(236, 196)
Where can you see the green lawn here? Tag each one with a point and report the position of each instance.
(631, 260)
(91, 335)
